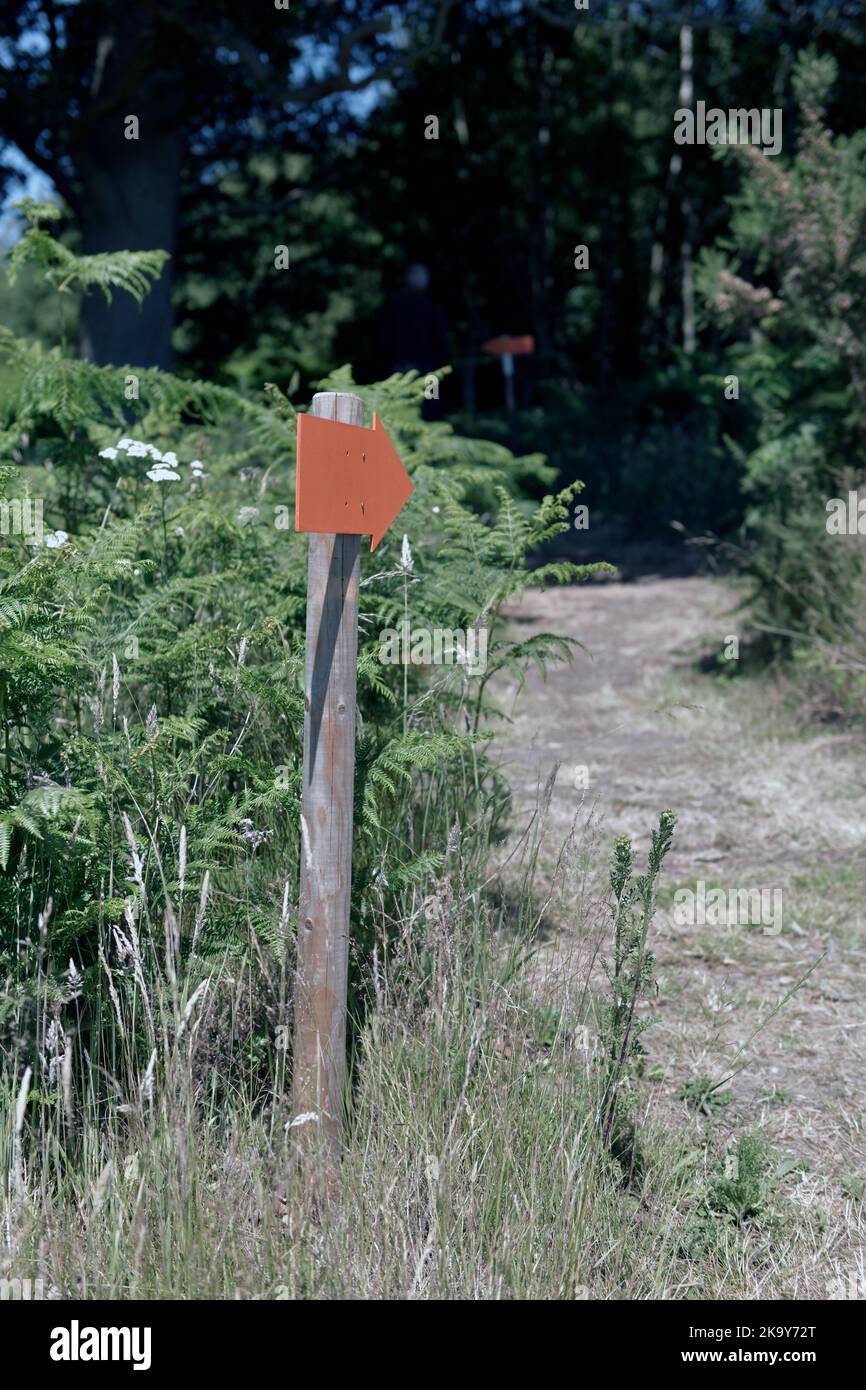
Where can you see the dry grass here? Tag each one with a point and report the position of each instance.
(472, 1167)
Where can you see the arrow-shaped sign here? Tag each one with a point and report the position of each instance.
(349, 480)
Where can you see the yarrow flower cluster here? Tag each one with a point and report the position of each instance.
(165, 466)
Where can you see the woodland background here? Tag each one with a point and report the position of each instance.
(306, 127)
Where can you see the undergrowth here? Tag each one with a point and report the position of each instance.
(152, 597)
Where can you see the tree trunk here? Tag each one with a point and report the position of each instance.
(540, 212)
(687, 246)
(129, 188)
(131, 205)
(657, 256)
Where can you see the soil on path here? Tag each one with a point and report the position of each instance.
(764, 800)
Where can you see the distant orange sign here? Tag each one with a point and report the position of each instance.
(515, 347)
(349, 480)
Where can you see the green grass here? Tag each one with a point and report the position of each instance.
(828, 898)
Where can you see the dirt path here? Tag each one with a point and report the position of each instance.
(762, 804)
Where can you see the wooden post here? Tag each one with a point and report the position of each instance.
(330, 679)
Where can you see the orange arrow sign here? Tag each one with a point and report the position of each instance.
(505, 344)
(349, 480)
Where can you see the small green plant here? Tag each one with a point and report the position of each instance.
(776, 1095)
(854, 1186)
(631, 979)
(745, 1181)
(700, 1095)
(737, 1198)
(546, 1025)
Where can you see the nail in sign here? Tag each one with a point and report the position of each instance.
(349, 480)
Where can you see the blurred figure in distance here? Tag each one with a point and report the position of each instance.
(415, 333)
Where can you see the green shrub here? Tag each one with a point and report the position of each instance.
(792, 302)
(151, 662)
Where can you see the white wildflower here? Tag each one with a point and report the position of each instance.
(56, 538)
(160, 474)
(406, 556)
(108, 453)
